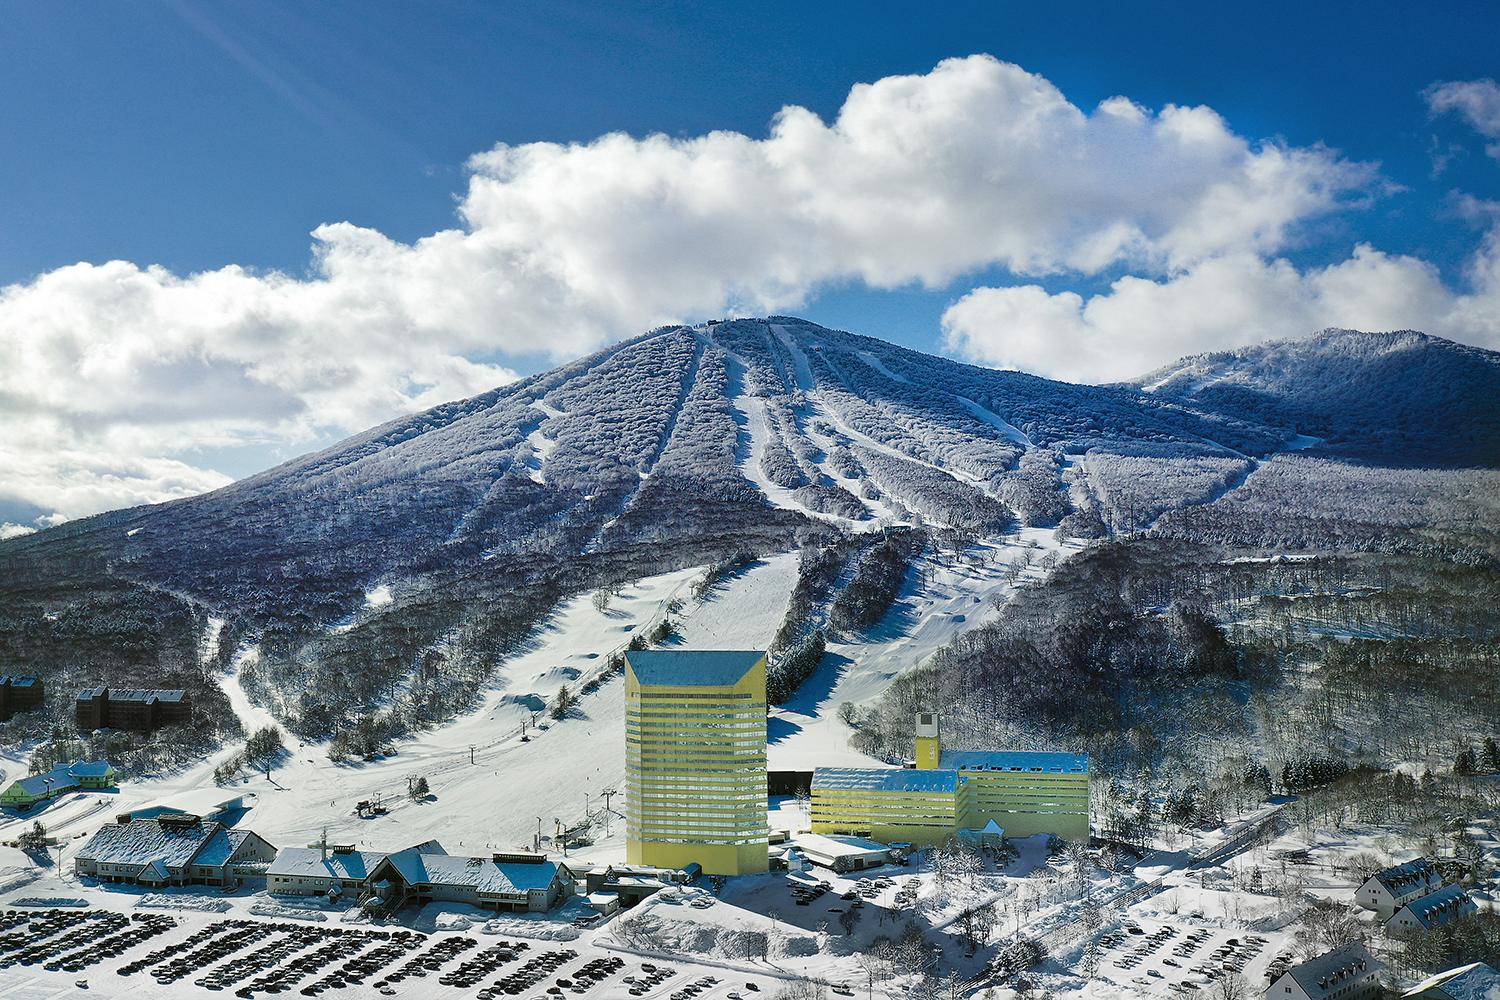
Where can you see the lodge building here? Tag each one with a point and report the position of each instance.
(138, 709)
(20, 693)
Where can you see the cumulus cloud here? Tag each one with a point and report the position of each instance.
(112, 375)
(1477, 102)
(1224, 302)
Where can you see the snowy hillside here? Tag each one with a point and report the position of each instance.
(383, 580)
(563, 768)
(1399, 398)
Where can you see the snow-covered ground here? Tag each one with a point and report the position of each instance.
(489, 785)
(942, 598)
(505, 769)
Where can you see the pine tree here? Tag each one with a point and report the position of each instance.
(1490, 756)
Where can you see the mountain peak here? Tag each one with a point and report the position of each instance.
(1397, 397)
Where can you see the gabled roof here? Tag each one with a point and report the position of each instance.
(1333, 970)
(145, 841)
(64, 777)
(18, 680)
(308, 862)
(1015, 760)
(692, 667)
(1401, 879)
(484, 874)
(1439, 907)
(221, 846)
(883, 779)
(56, 780)
(1467, 982)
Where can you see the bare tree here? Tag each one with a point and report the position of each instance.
(1233, 987)
(1327, 925)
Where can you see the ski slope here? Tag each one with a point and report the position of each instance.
(941, 599)
(493, 788)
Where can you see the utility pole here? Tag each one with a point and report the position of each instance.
(607, 793)
(539, 834)
(471, 753)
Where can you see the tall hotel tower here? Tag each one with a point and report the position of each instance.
(695, 764)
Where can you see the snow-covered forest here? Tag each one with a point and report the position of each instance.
(693, 446)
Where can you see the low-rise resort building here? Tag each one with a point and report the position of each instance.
(83, 775)
(137, 709)
(520, 882)
(1024, 792)
(1346, 973)
(891, 805)
(174, 849)
(20, 693)
(1388, 890)
(626, 885)
(981, 796)
(332, 870)
(1432, 910)
(517, 881)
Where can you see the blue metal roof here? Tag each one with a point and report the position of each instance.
(56, 780)
(692, 667)
(1015, 760)
(884, 779)
(64, 777)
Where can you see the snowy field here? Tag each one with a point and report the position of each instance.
(941, 599)
(505, 771)
(559, 769)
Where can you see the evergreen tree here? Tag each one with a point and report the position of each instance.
(1466, 762)
(1490, 756)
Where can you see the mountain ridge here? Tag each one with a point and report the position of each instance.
(1354, 390)
(684, 446)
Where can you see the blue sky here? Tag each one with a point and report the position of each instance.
(210, 135)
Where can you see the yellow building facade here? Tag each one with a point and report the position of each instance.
(892, 805)
(695, 760)
(1026, 792)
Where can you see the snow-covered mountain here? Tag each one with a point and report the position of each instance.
(1400, 398)
(408, 557)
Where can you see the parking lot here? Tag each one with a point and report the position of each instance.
(1181, 958)
(51, 952)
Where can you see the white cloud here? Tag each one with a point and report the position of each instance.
(105, 370)
(1221, 303)
(1475, 101)
(9, 529)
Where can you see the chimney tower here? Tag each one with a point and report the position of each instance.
(929, 744)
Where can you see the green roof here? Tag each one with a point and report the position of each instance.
(692, 667)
